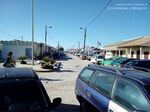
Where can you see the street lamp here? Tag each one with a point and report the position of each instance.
(84, 38)
(46, 37)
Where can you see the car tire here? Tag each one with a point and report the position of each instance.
(84, 106)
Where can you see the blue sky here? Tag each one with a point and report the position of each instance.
(67, 16)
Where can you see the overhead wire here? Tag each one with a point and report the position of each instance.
(93, 20)
(9, 34)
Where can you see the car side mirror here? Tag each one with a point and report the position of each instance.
(57, 101)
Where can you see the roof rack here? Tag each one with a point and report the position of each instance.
(142, 69)
(110, 68)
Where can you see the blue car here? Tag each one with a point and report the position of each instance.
(111, 89)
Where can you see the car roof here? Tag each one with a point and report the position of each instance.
(136, 75)
(142, 60)
(17, 73)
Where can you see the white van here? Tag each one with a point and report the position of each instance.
(108, 55)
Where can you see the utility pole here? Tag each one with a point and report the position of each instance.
(46, 49)
(21, 38)
(33, 32)
(79, 45)
(58, 45)
(45, 38)
(84, 39)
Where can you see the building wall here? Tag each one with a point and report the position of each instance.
(19, 50)
(16, 49)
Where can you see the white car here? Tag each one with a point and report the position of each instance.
(108, 55)
(97, 59)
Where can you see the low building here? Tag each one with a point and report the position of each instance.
(134, 48)
(138, 48)
(22, 48)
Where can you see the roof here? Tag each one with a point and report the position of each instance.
(140, 76)
(17, 73)
(139, 41)
(115, 46)
(142, 41)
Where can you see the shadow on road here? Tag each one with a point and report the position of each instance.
(68, 108)
(66, 71)
(46, 79)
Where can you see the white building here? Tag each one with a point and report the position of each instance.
(22, 48)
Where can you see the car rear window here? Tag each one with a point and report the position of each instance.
(21, 93)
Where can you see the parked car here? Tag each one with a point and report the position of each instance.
(121, 61)
(83, 56)
(110, 60)
(89, 57)
(113, 89)
(97, 59)
(143, 65)
(22, 91)
(108, 55)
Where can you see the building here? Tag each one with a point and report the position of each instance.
(0, 51)
(135, 48)
(22, 48)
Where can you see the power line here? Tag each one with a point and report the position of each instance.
(9, 34)
(99, 14)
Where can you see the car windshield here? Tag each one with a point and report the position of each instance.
(113, 58)
(21, 94)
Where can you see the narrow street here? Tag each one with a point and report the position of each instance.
(62, 84)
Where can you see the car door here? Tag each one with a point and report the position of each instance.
(127, 97)
(82, 82)
(100, 89)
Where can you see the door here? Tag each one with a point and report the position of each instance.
(138, 54)
(146, 54)
(102, 84)
(132, 53)
(28, 52)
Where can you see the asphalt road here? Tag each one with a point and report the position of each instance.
(62, 84)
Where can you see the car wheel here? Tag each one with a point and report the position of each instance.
(84, 106)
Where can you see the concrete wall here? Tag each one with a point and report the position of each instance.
(18, 50)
